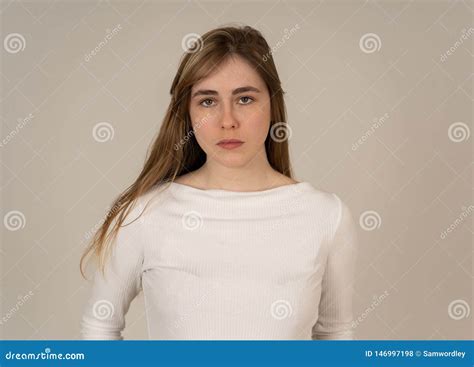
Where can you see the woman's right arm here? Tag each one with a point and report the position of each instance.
(112, 293)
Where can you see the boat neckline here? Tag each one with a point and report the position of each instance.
(293, 186)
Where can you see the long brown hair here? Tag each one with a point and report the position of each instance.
(167, 158)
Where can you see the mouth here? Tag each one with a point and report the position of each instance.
(230, 143)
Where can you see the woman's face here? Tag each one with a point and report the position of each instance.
(233, 102)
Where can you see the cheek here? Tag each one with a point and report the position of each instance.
(257, 124)
(262, 133)
(205, 131)
(200, 121)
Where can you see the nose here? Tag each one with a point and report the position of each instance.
(229, 121)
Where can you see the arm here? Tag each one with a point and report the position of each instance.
(335, 307)
(111, 295)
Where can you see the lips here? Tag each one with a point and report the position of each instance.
(229, 141)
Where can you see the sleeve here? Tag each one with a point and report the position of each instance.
(112, 293)
(335, 306)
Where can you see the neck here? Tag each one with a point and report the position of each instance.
(254, 176)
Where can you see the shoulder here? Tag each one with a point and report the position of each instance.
(143, 205)
(344, 224)
(330, 206)
(326, 201)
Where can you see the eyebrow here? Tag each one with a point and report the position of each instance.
(239, 90)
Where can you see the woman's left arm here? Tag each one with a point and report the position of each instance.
(335, 306)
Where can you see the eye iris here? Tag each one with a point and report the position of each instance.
(245, 100)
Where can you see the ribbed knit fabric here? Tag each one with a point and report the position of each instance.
(219, 264)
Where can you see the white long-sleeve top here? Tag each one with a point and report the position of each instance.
(219, 264)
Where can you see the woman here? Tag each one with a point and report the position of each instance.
(224, 243)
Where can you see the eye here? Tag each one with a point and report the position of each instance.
(206, 100)
(247, 97)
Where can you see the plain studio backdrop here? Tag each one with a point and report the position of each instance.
(379, 97)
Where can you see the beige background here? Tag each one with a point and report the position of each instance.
(402, 97)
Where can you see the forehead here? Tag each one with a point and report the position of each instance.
(231, 73)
